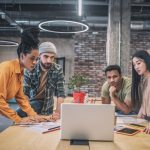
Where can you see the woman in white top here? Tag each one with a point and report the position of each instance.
(141, 85)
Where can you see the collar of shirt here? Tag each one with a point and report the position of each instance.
(17, 67)
(18, 70)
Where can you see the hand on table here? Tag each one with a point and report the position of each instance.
(27, 120)
(44, 118)
(56, 115)
(38, 118)
(147, 129)
(51, 118)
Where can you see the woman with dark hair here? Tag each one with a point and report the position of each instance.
(11, 78)
(141, 85)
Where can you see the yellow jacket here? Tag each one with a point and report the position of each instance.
(11, 86)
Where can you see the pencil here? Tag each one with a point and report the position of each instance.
(18, 124)
(54, 128)
(51, 130)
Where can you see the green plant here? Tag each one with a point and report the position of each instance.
(76, 81)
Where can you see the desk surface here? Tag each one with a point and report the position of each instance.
(23, 138)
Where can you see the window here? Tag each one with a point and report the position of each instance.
(61, 61)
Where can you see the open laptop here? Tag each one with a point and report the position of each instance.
(87, 121)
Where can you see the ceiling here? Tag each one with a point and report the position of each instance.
(16, 15)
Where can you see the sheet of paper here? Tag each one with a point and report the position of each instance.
(121, 115)
(129, 120)
(44, 126)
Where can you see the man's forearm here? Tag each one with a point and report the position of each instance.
(121, 105)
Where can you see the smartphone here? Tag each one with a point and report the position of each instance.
(79, 142)
(128, 131)
(137, 125)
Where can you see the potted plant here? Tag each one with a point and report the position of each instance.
(75, 83)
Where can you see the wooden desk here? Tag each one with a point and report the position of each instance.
(140, 141)
(23, 138)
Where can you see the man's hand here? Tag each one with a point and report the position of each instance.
(112, 91)
(56, 115)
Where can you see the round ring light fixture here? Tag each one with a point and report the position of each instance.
(63, 26)
(8, 43)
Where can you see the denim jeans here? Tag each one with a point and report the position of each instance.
(37, 105)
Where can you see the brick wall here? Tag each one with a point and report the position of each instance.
(90, 59)
(90, 56)
(140, 40)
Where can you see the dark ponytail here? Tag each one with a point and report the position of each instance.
(29, 41)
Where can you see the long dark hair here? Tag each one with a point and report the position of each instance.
(136, 101)
(29, 41)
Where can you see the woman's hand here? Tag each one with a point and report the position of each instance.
(147, 129)
(44, 118)
(40, 118)
(27, 120)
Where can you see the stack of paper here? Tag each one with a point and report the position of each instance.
(129, 120)
(44, 126)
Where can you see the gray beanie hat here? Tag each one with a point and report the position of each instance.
(47, 47)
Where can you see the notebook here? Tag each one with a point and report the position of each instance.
(87, 121)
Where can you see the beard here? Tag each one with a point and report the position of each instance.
(113, 84)
(46, 65)
(116, 84)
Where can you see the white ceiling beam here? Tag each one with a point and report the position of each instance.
(53, 2)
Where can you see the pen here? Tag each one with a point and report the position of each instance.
(18, 124)
(54, 127)
(51, 130)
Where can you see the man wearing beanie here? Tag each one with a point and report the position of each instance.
(44, 81)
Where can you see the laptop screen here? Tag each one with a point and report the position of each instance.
(87, 121)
